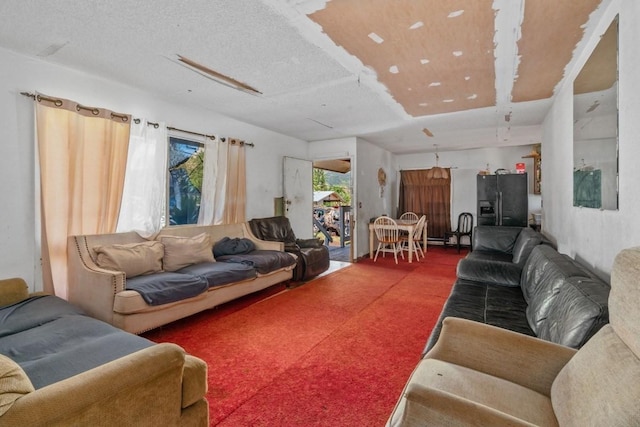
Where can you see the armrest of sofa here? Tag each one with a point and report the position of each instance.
(309, 243)
(143, 388)
(524, 360)
(427, 406)
(91, 287)
(495, 238)
(194, 383)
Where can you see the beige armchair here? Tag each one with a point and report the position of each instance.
(482, 375)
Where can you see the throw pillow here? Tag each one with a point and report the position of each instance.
(180, 252)
(135, 259)
(13, 291)
(14, 383)
(233, 246)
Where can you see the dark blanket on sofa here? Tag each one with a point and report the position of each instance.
(220, 273)
(53, 340)
(264, 261)
(166, 287)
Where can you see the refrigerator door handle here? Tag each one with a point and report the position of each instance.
(500, 208)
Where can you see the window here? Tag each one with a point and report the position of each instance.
(186, 160)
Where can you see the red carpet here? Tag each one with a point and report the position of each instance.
(336, 351)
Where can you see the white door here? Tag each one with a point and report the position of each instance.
(298, 195)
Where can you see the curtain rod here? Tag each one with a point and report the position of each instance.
(212, 137)
(58, 103)
(125, 118)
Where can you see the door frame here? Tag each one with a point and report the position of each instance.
(354, 202)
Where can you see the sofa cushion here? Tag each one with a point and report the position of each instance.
(14, 383)
(134, 259)
(578, 311)
(166, 287)
(180, 251)
(490, 270)
(544, 265)
(53, 340)
(545, 275)
(264, 261)
(495, 305)
(219, 273)
(233, 246)
(495, 239)
(526, 241)
(276, 228)
(12, 291)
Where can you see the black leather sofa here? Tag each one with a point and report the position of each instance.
(555, 298)
(313, 256)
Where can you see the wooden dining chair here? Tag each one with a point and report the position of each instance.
(409, 216)
(386, 230)
(417, 237)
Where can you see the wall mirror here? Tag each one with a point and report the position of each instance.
(595, 128)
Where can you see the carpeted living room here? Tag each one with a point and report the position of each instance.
(473, 258)
(336, 350)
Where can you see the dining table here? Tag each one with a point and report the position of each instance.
(405, 225)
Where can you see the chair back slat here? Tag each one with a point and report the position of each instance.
(409, 216)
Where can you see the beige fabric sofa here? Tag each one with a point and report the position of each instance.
(478, 374)
(158, 385)
(102, 293)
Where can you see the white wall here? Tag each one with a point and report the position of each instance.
(19, 255)
(465, 167)
(371, 201)
(594, 237)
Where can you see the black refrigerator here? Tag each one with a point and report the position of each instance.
(503, 199)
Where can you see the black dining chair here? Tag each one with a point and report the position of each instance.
(465, 228)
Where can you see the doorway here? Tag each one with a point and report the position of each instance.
(332, 200)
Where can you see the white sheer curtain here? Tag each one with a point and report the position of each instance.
(221, 183)
(210, 179)
(145, 185)
(223, 196)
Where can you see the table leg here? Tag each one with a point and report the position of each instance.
(424, 238)
(370, 242)
(410, 244)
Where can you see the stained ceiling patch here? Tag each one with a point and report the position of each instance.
(456, 36)
(550, 32)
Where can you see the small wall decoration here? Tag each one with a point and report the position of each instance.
(382, 180)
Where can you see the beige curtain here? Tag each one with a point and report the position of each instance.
(427, 192)
(83, 155)
(236, 183)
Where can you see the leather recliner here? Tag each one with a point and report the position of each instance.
(313, 256)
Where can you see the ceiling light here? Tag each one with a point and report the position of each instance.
(216, 76)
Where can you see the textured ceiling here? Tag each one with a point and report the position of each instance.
(407, 75)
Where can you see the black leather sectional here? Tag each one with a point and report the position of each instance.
(513, 279)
